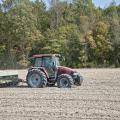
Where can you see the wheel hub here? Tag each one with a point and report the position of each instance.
(35, 79)
(64, 82)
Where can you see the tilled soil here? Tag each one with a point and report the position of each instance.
(97, 99)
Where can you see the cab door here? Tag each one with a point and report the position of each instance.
(48, 63)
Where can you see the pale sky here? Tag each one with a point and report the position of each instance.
(98, 3)
(104, 3)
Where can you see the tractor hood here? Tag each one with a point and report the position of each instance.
(65, 70)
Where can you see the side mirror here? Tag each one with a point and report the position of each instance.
(62, 58)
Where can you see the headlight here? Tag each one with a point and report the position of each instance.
(75, 74)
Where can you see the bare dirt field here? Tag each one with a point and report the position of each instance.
(97, 99)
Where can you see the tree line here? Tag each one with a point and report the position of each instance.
(87, 36)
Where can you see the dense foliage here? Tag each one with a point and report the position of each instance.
(85, 35)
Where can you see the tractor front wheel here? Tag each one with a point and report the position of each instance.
(36, 79)
(65, 81)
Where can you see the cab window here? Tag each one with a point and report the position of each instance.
(38, 62)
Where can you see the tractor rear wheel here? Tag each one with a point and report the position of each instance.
(65, 81)
(36, 79)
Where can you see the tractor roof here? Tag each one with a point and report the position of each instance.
(45, 55)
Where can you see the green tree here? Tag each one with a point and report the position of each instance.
(112, 14)
(71, 45)
(20, 31)
(99, 45)
(84, 34)
(42, 16)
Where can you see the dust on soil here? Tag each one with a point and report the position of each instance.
(97, 99)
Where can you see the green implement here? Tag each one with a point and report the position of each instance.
(8, 78)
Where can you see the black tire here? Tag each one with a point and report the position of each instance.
(40, 79)
(65, 81)
(79, 81)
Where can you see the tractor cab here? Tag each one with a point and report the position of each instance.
(47, 61)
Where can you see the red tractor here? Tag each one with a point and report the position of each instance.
(46, 71)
